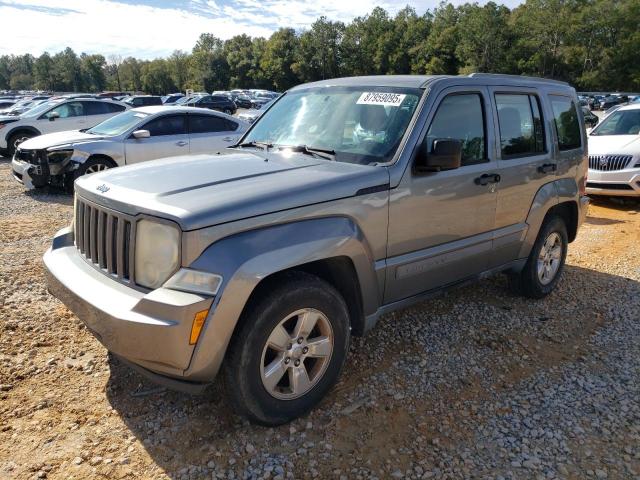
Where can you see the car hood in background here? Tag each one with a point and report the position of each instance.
(205, 190)
(59, 138)
(614, 144)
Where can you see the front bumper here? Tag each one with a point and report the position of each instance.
(21, 171)
(620, 182)
(150, 329)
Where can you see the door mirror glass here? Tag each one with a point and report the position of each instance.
(141, 134)
(445, 154)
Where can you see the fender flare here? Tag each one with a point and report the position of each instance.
(247, 258)
(26, 128)
(547, 197)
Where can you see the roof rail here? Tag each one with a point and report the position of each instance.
(521, 77)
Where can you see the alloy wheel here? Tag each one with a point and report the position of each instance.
(296, 354)
(549, 258)
(95, 168)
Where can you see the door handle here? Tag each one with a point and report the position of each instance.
(181, 143)
(487, 178)
(228, 139)
(547, 168)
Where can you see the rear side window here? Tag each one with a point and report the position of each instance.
(565, 117)
(114, 107)
(207, 124)
(461, 117)
(173, 125)
(521, 126)
(95, 108)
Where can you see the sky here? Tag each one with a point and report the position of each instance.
(155, 28)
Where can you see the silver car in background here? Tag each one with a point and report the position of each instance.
(134, 136)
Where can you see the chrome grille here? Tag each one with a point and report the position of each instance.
(104, 238)
(609, 163)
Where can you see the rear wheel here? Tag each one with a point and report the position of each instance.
(544, 266)
(289, 350)
(227, 111)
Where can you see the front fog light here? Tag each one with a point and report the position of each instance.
(194, 281)
(157, 253)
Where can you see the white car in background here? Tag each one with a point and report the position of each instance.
(614, 154)
(55, 116)
(134, 136)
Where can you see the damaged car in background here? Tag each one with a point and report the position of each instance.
(137, 135)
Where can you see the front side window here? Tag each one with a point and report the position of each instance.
(461, 117)
(169, 125)
(68, 110)
(566, 121)
(621, 122)
(358, 124)
(521, 131)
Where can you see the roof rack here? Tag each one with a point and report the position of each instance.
(520, 77)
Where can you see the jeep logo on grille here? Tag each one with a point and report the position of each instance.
(102, 188)
(604, 161)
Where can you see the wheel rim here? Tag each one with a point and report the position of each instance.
(95, 168)
(18, 141)
(296, 354)
(550, 258)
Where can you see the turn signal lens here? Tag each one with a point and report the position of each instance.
(196, 326)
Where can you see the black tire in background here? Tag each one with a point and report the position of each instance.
(244, 363)
(16, 139)
(528, 282)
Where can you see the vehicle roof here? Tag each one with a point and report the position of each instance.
(153, 109)
(421, 81)
(631, 106)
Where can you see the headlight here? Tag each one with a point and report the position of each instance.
(157, 253)
(59, 156)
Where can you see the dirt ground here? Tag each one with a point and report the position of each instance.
(67, 410)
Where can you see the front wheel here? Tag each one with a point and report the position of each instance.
(16, 139)
(544, 266)
(227, 111)
(288, 351)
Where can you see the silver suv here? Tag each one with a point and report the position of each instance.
(347, 199)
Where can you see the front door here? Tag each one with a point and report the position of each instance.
(440, 223)
(168, 138)
(65, 116)
(210, 133)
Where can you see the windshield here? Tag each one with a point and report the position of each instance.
(118, 124)
(38, 109)
(620, 122)
(360, 124)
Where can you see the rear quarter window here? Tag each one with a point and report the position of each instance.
(566, 121)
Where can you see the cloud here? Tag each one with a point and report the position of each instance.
(154, 28)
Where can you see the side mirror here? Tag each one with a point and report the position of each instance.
(141, 134)
(52, 116)
(445, 154)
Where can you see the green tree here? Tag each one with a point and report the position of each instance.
(319, 53)
(279, 57)
(156, 77)
(179, 66)
(208, 67)
(44, 78)
(93, 72)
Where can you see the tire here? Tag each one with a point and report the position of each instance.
(227, 111)
(16, 139)
(263, 370)
(545, 264)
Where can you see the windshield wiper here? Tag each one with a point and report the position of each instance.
(319, 152)
(263, 145)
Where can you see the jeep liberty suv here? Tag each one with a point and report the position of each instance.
(347, 199)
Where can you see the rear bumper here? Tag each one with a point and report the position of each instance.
(150, 330)
(621, 182)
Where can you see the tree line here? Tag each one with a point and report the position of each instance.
(593, 44)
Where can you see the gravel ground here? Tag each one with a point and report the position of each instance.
(475, 384)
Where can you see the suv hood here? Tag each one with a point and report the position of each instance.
(205, 190)
(59, 138)
(614, 144)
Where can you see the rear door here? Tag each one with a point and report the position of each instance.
(97, 112)
(168, 138)
(525, 163)
(211, 133)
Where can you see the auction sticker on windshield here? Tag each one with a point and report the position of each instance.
(381, 98)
